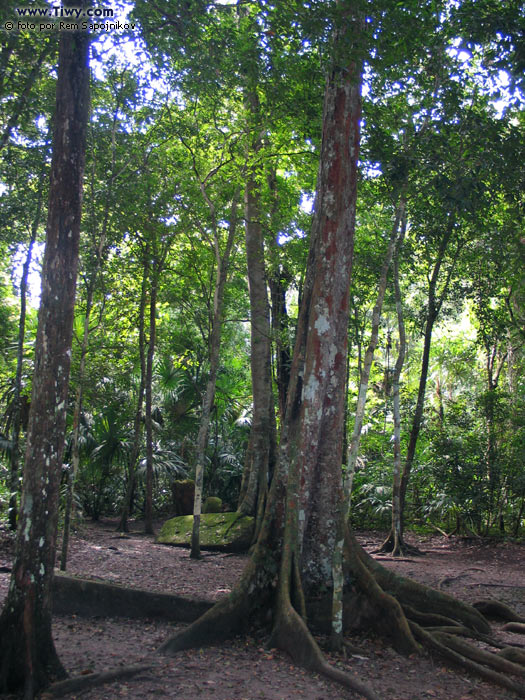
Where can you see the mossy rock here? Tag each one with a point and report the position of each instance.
(212, 504)
(227, 532)
(183, 492)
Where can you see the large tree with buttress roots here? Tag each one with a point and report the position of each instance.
(306, 567)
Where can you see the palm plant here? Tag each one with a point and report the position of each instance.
(374, 501)
(107, 449)
(178, 391)
(227, 445)
(167, 466)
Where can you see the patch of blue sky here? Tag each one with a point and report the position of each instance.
(35, 268)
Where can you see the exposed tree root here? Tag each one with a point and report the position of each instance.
(397, 547)
(498, 610)
(398, 602)
(513, 654)
(442, 608)
(421, 597)
(393, 620)
(352, 648)
(290, 634)
(92, 680)
(431, 642)
(495, 661)
(517, 627)
(461, 631)
(446, 580)
(429, 619)
(388, 557)
(225, 619)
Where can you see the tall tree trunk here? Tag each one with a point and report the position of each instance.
(222, 262)
(494, 364)
(14, 482)
(396, 488)
(260, 457)
(313, 431)
(435, 302)
(28, 657)
(137, 421)
(278, 284)
(262, 436)
(353, 449)
(148, 512)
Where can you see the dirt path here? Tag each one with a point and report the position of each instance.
(245, 668)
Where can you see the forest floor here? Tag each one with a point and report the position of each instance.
(245, 669)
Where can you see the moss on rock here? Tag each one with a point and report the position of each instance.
(228, 532)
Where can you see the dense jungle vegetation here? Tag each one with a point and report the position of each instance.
(170, 143)
(204, 178)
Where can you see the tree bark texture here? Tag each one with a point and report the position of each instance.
(28, 657)
(75, 453)
(260, 456)
(313, 435)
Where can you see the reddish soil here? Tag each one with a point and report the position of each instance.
(245, 668)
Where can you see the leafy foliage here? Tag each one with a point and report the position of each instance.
(169, 134)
